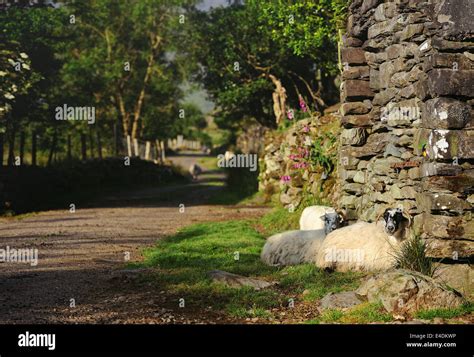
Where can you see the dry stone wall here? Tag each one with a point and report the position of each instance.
(407, 116)
(289, 170)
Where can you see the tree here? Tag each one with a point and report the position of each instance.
(125, 45)
(252, 71)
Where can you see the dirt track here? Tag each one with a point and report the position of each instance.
(82, 256)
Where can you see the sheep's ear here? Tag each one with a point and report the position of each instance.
(323, 217)
(407, 216)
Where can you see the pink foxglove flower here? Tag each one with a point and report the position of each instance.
(286, 178)
(305, 128)
(303, 106)
(290, 114)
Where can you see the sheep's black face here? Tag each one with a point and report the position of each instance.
(393, 219)
(332, 221)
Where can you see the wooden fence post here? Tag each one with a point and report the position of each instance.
(129, 146)
(147, 150)
(163, 154)
(136, 148)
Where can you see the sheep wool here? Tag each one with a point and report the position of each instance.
(312, 217)
(290, 248)
(362, 246)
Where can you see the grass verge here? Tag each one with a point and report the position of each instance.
(183, 260)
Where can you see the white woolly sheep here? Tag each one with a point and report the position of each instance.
(363, 246)
(290, 248)
(195, 170)
(320, 217)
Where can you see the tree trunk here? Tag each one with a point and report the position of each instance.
(22, 146)
(99, 145)
(141, 96)
(83, 147)
(53, 148)
(33, 148)
(279, 99)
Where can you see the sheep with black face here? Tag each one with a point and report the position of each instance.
(396, 222)
(320, 217)
(372, 245)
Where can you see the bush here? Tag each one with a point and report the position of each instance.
(26, 188)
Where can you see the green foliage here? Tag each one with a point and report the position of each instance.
(465, 309)
(239, 68)
(360, 314)
(39, 188)
(323, 152)
(412, 256)
(307, 28)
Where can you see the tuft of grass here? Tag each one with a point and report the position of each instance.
(412, 256)
(360, 314)
(464, 309)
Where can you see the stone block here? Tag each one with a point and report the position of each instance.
(354, 108)
(354, 136)
(445, 227)
(358, 121)
(450, 144)
(428, 202)
(353, 55)
(461, 183)
(441, 248)
(446, 113)
(359, 72)
(446, 82)
(356, 89)
(453, 61)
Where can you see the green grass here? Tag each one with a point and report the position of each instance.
(279, 220)
(464, 309)
(360, 314)
(209, 163)
(316, 281)
(183, 260)
(181, 263)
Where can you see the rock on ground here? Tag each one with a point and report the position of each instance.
(238, 281)
(341, 300)
(457, 276)
(403, 292)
